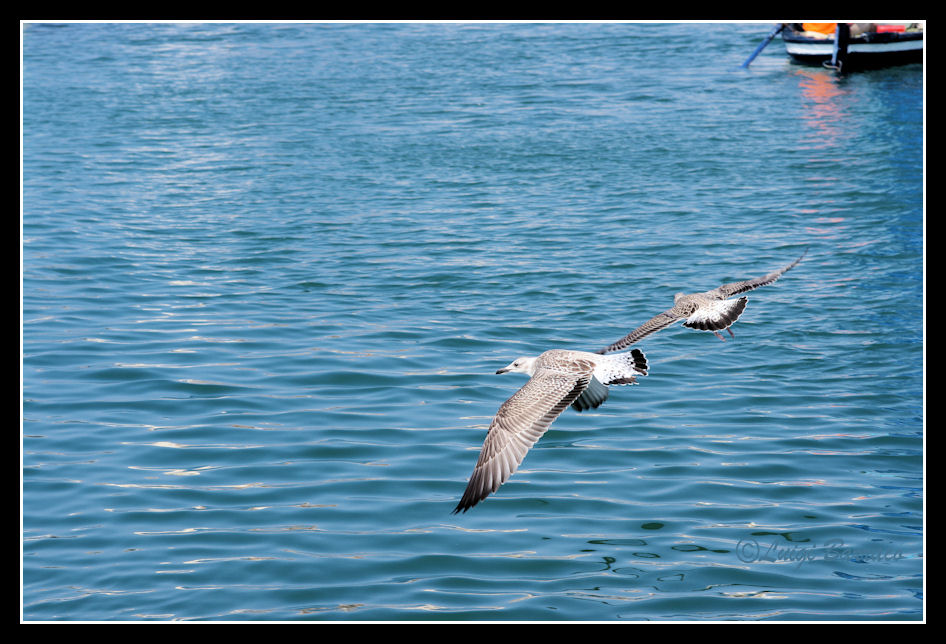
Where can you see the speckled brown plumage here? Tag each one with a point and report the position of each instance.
(559, 378)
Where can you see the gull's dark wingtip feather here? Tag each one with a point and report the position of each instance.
(471, 496)
(464, 505)
(467, 501)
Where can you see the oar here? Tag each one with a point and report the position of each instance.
(758, 50)
(842, 34)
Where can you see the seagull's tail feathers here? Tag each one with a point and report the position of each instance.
(640, 361)
(625, 367)
(720, 316)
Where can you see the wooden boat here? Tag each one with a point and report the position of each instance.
(888, 45)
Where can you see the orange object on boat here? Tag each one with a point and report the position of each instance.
(887, 29)
(820, 27)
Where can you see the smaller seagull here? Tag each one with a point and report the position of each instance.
(559, 378)
(709, 311)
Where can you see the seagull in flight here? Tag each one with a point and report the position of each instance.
(709, 311)
(558, 378)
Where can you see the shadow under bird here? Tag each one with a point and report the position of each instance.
(558, 378)
(709, 311)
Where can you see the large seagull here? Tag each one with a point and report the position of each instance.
(559, 378)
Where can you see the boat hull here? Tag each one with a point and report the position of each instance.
(869, 50)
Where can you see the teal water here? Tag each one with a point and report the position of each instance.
(269, 272)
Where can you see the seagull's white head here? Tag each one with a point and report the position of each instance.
(521, 365)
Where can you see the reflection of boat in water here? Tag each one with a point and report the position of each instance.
(888, 45)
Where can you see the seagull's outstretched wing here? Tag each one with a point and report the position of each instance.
(518, 424)
(654, 324)
(735, 288)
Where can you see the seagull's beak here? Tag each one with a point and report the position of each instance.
(503, 370)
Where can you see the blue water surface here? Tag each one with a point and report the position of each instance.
(269, 272)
